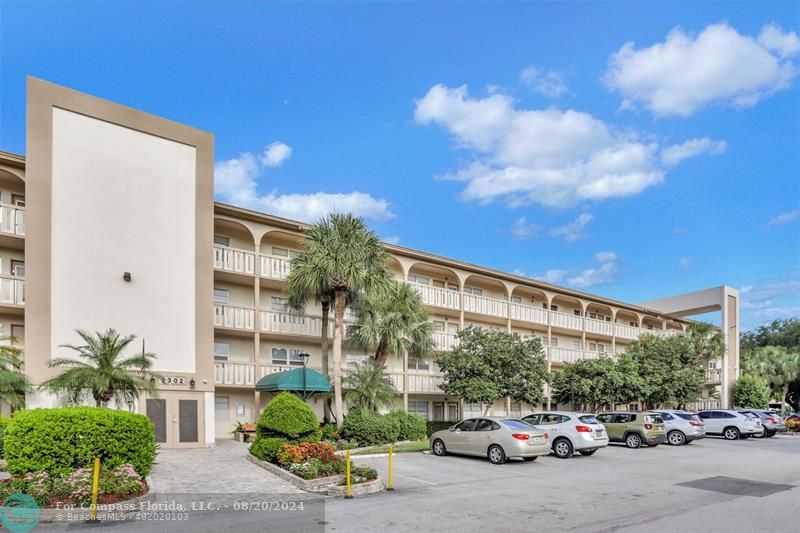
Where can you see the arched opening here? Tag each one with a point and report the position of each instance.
(277, 248)
(438, 286)
(528, 306)
(484, 297)
(234, 248)
(599, 323)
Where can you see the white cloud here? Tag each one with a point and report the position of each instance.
(554, 275)
(548, 156)
(770, 299)
(685, 73)
(236, 182)
(550, 83)
(574, 230)
(599, 275)
(685, 262)
(672, 155)
(605, 257)
(784, 218)
(522, 229)
(392, 239)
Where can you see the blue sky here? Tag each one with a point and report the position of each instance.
(593, 145)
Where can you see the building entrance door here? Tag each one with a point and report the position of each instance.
(452, 412)
(177, 418)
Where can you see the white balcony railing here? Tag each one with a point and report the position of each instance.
(234, 260)
(565, 355)
(528, 313)
(714, 375)
(601, 327)
(12, 290)
(438, 297)
(294, 324)
(274, 267)
(12, 219)
(444, 341)
(234, 317)
(485, 306)
(563, 320)
(234, 374)
(425, 382)
(626, 332)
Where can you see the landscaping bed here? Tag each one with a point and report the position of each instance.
(398, 447)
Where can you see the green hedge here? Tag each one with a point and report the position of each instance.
(369, 428)
(412, 426)
(3, 423)
(288, 417)
(438, 425)
(59, 441)
(266, 448)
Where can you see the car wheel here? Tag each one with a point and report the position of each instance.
(633, 441)
(731, 433)
(676, 438)
(562, 448)
(496, 455)
(439, 448)
(770, 434)
(587, 452)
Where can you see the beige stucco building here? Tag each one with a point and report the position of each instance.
(110, 222)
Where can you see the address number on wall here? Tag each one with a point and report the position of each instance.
(173, 380)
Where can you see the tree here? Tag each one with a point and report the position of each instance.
(782, 337)
(669, 369)
(394, 321)
(369, 386)
(779, 366)
(487, 365)
(706, 340)
(598, 383)
(340, 254)
(102, 372)
(751, 392)
(13, 382)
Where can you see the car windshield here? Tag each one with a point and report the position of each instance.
(512, 423)
(688, 416)
(588, 419)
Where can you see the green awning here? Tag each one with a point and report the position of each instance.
(292, 380)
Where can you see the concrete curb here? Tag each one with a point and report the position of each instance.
(353, 450)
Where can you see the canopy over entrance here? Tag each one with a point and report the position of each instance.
(292, 380)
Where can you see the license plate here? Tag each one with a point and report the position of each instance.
(598, 432)
(537, 439)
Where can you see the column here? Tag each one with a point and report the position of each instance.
(405, 381)
(549, 347)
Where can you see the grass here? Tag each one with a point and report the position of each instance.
(406, 447)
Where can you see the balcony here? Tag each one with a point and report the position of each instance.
(12, 290)
(600, 327)
(565, 355)
(485, 306)
(528, 313)
(274, 267)
(444, 341)
(234, 317)
(242, 374)
(12, 219)
(714, 375)
(563, 320)
(438, 297)
(293, 324)
(627, 332)
(234, 260)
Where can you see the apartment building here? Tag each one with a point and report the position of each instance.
(113, 215)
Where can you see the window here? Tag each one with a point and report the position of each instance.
(438, 411)
(578, 344)
(413, 278)
(550, 418)
(576, 312)
(222, 296)
(419, 407)
(726, 415)
(688, 416)
(17, 268)
(278, 303)
(601, 348)
(512, 424)
(222, 240)
(356, 359)
(544, 305)
(284, 356)
(415, 363)
(553, 341)
(18, 200)
(484, 425)
(466, 425)
(221, 351)
(532, 419)
(438, 325)
(280, 252)
(667, 416)
(516, 300)
(438, 284)
(622, 418)
(605, 418)
(473, 409)
(554, 308)
(592, 315)
(633, 324)
(592, 346)
(588, 419)
(475, 291)
(18, 334)
(712, 364)
(452, 287)
(608, 319)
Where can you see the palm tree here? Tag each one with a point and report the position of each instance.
(776, 364)
(392, 321)
(13, 382)
(369, 386)
(342, 254)
(102, 371)
(706, 340)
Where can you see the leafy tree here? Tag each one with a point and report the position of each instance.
(706, 340)
(487, 365)
(341, 254)
(769, 352)
(603, 382)
(394, 321)
(778, 365)
(781, 332)
(102, 372)
(13, 382)
(751, 392)
(669, 369)
(369, 386)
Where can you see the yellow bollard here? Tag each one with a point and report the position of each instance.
(95, 487)
(389, 485)
(348, 495)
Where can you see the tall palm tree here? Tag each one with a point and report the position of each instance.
(13, 382)
(706, 340)
(776, 364)
(341, 253)
(102, 371)
(392, 321)
(369, 386)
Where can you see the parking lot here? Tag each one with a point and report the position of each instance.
(617, 489)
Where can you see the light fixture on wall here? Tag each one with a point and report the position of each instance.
(126, 276)
(192, 383)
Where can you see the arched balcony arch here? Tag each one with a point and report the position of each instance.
(234, 247)
(439, 287)
(529, 305)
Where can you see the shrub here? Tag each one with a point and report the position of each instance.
(329, 432)
(438, 425)
(793, 425)
(37, 485)
(288, 417)
(59, 441)
(266, 448)
(300, 453)
(369, 428)
(751, 392)
(412, 426)
(314, 468)
(3, 423)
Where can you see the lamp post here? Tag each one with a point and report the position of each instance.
(305, 357)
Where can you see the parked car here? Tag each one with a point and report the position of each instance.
(497, 438)
(682, 427)
(730, 424)
(570, 432)
(770, 422)
(634, 428)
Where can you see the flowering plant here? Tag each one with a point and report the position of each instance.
(303, 452)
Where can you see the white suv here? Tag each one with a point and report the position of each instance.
(570, 432)
(730, 424)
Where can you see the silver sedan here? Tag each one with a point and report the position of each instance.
(494, 437)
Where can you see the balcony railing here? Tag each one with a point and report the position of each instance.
(12, 219)
(563, 320)
(485, 306)
(626, 332)
(234, 260)
(565, 355)
(234, 317)
(234, 374)
(274, 267)
(714, 375)
(444, 341)
(601, 327)
(12, 290)
(438, 297)
(528, 313)
(291, 323)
